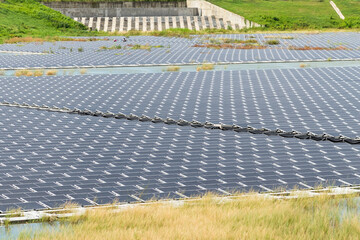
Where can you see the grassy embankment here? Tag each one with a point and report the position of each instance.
(246, 217)
(28, 18)
(112, 0)
(295, 14)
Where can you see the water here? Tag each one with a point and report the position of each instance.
(12, 53)
(14, 231)
(192, 68)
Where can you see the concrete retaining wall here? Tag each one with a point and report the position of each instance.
(133, 4)
(127, 12)
(209, 9)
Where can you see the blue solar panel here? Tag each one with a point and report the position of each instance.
(320, 100)
(48, 159)
(181, 51)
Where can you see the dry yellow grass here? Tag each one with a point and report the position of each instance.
(38, 73)
(51, 72)
(251, 217)
(173, 68)
(83, 71)
(29, 73)
(23, 72)
(205, 67)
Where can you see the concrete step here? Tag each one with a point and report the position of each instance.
(124, 24)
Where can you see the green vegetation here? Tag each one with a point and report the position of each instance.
(24, 18)
(114, 47)
(143, 47)
(112, 1)
(244, 217)
(295, 14)
(272, 42)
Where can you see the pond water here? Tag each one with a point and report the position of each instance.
(14, 231)
(192, 68)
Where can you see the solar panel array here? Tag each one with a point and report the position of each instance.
(50, 158)
(318, 100)
(179, 51)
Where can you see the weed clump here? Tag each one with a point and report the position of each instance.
(110, 48)
(143, 47)
(272, 42)
(51, 72)
(205, 67)
(173, 68)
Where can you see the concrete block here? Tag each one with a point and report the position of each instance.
(129, 23)
(208, 9)
(189, 25)
(144, 24)
(75, 19)
(167, 24)
(98, 23)
(83, 20)
(210, 21)
(152, 24)
(159, 23)
(226, 24)
(217, 21)
(137, 27)
(113, 26)
(182, 24)
(91, 22)
(106, 24)
(203, 23)
(196, 20)
(174, 25)
(233, 26)
(247, 23)
(121, 26)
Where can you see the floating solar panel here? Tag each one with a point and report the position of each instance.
(322, 100)
(181, 51)
(48, 159)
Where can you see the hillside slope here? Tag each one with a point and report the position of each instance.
(21, 18)
(295, 14)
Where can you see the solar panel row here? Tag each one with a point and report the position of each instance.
(321, 100)
(196, 124)
(48, 159)
(179, 51)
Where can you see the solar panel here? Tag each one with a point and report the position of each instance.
(180, 51)
(48, 159)
(320, 100)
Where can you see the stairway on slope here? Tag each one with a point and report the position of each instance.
(156, 23)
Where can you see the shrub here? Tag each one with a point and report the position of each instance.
(272, 42)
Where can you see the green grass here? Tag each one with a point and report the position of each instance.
(113, 0)
(24, 18)
(295, 14)
(245, 217)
